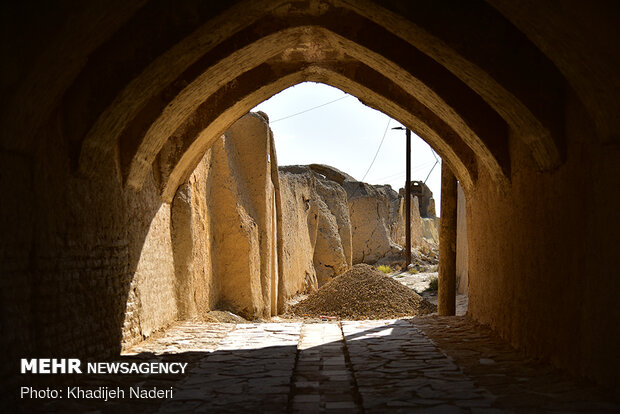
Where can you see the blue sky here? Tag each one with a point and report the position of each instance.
(345, 134)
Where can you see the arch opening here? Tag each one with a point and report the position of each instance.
(150, 87)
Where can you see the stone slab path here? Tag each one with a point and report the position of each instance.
(252, 367)
(323, 380)
(398, 369)
(420, 365)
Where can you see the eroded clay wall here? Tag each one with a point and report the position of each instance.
(542, 260)
(316, 230)
(371, 222)
(196, 290)
(333, 248)
(299, 232)
(462, 252)
(417, 224)
(242, 206)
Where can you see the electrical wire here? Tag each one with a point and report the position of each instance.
(378, 149)
(420, 167)
(310, 109)
(429, 173)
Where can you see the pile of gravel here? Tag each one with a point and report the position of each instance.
(363, 293)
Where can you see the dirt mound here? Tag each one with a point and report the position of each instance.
(363, 293)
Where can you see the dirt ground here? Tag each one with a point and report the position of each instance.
(420, 282)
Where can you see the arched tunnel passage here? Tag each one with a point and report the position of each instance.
(505, 100)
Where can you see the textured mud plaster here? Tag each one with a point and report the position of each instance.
(430, 229)
(378, 222)
(299, 233)
(462, 254)
(369, 211)
(242, 203)
(542, 260)
(154, 279)
(418, 225)
(191, 229)
(317, 228)
(332, 251)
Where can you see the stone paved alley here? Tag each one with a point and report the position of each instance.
(426, 364)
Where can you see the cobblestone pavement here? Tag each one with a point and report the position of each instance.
(421, 365)
(252, 368)
(323, 380)
(398, 369)
(521, 385)
(184, 337)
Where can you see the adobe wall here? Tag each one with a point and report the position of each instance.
(417, 225)
(197, 289)
(74, 249)
(316, 230)
(462, 252)
(173, 277)
(374, 219)
(106, 266)
(242, 203)
(152, 300)
(527, 275)
(300, 226)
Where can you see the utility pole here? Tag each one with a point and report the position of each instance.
(407, 198)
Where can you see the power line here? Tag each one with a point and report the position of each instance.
(434, 165)
(420, 167)
(429, 173)
(361, 182)
(378, 149)
(310, 109)
(387, 177)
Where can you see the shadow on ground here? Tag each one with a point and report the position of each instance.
(429, 364)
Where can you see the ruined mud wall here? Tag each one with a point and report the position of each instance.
(462, 252)
(119, 264)
(430, 229)
(542, 262)
(299, 231)
(373, 219)
(197, 289)
(417, 225)
(225, 225)
(316, 230)
(333, 249)
(378, 222)
(173, 278)
(242, 203)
